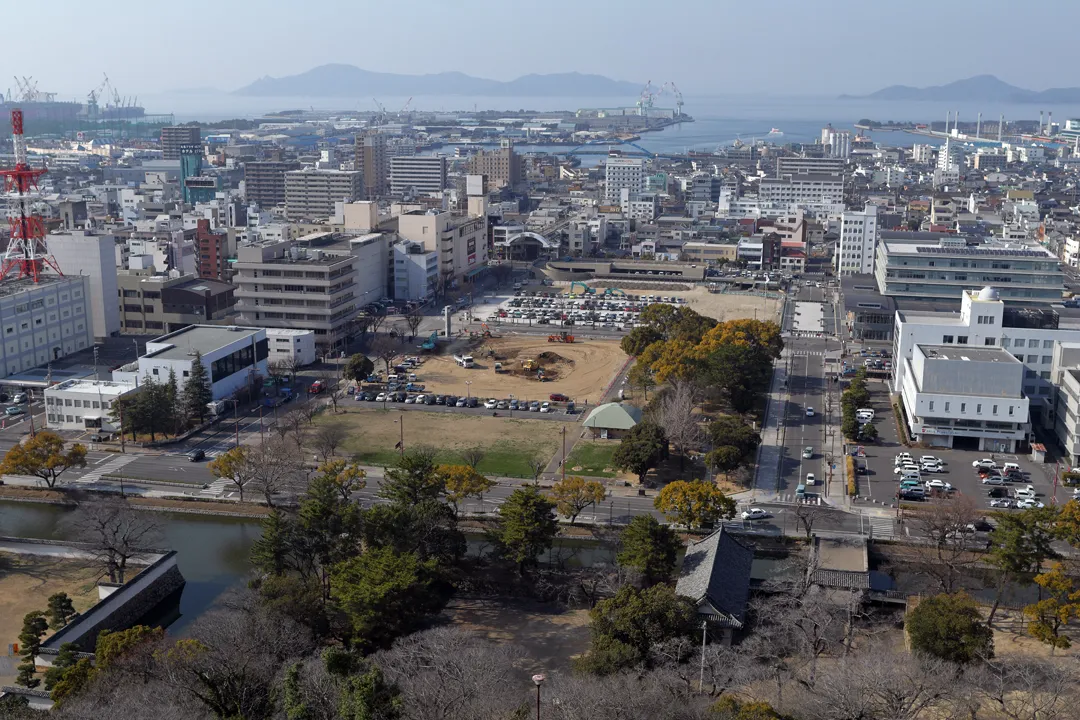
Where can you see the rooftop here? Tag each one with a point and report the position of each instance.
(205, 339)
(14, 287)
(967, 353)
(94, 387)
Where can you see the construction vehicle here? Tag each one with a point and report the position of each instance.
(585, 289)
(529, 365)
(429, 344)
(563, 337)
(465, 361)
(498, 368)
(614, 291)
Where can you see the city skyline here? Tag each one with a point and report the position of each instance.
(797, 49)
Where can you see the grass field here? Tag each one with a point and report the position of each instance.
(593, 459)
(26, 582)
(509, 444)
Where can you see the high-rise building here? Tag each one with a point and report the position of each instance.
(190, 166)
(213, 251)
(858, 241)
(175, 136)
(371, 160)
(264, 182)
(460, 241)
(622, 173)
(312, 194)
(501, 168)
(79, 252)
(424, 174)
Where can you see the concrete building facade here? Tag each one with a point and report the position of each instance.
(85, 405)
(153, 303)
(425, 175)
(173, 137)
(264, 182)
(858, 241)
(500, 168)
(44, 321)
(623, 173)
(86, 253)
(460, 241)
(291, 346)
(312, 194)
(371, 160)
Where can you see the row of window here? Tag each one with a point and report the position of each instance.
(963, 408)
(68, 402)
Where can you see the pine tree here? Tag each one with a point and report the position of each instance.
(34, 626)
(197, 390)
(172, 396)
(61, 610)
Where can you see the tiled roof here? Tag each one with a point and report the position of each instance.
(716, 569)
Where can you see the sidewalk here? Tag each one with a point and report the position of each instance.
(771, 449)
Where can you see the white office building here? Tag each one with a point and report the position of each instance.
(44, 321)
(417, 174)
(965, 397)
(233, 357)
(620, 173)
(816, 193)
(416, 271)
(85, 405)
(984, 321)
(858, 241)
(288, 345)
(639, 206)
(78, 252)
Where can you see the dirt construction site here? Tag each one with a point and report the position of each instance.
(580, 370)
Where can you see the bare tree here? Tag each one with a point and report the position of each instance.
(537, 464)
(277, 470)
(447, 673)
(114, 532)
(806, 514)
(949, 525)
(1023, 688)
(359, 325)
(327, 438)
(385, 349)
(333, 388)
(674, 412)
(413, 318)
(473, 456)
(375, 322)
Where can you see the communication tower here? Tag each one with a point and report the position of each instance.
(27, 251)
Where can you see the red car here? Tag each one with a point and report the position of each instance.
(557, 397)
(316, 387)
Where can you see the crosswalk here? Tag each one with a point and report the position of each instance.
(105, 468)
(215, 489)
(807, 353)
(881, 527)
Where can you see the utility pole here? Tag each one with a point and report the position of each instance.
(701, 671)
(564, 452)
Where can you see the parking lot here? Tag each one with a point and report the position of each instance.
(602, 308)
(881, 484)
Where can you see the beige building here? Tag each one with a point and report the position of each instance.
(706, 252)
(290, 284)
(500, 168)
(155, 304)
(312, 194)
(460, 241)
(371, 160)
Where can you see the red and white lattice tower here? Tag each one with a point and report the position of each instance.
(27, 250)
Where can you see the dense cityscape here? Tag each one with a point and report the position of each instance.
(405, 413)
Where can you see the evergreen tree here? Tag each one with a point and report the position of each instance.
(171, 394)
(526, 526)
(197, 390)
(650, 548)
(65, 659)
(61, 610)
(34, 626)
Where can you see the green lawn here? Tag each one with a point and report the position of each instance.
(502, 459)
(594, 459)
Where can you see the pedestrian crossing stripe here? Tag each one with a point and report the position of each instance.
(109, 467)
(807, 353)
(881, 527)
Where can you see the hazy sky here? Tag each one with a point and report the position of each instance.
(706, 46)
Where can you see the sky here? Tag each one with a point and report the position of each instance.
(770, 47)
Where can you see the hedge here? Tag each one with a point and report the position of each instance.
(852, 485)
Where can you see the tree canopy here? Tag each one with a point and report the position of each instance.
(43, 456)
(950, 627)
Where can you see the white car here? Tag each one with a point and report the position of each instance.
(1001, 503)
(411, 400)
(937, 484)
(491, 404)
(1029, 504)
(420, 399)
(931, 459)
(931, 467)
(809, 412)
(545, 407)
(906, 467)
(810, 479)
(1025, 493)
(903, 458)
(984, 464)
(864, 411)
(992, 480)
(754, 514)
(381, 397)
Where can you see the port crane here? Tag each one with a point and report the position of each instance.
(405, 107)
(382, 111)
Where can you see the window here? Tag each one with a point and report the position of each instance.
(963, 407)
(931, 408)
(946, 406)
(1046, 359)
(978, 408)
(155, 371)
(961, 339)
(1028, 390)
(946, 339)
(78, 403)
(988, 341)
(67, 402)
(1032, 359)
(1030, 374)
(1047, 344)
(1033, 342)
(994, 410)
(1045, 374)
(187, 373)
(1005, 342)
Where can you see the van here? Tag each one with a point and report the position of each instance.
(800, 492)
(1009, 468)
(392, 378)
(910, 475)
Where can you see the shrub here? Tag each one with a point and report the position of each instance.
(852, 482)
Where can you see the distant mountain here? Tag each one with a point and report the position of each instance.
(981, 88)
(351, 81)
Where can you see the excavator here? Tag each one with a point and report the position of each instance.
(585, 289)
(563, 337)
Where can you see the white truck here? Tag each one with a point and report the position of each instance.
(465, 361)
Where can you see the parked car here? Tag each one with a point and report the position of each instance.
(461, 402)
(938, 484)
(558, 397)
(1025, 493)
(1029, 504)
(903, 458)
(984, 464)
(931, 467)
(534, 406)
(1002, 502)
(997, 492)
(546, 407)
(491, 403)
(906, 467)
(381, 397)
(993, 480)
(810, 479)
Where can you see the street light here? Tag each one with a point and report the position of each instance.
(468, 394)
(510, 405)
(401, 427)
(538, 680)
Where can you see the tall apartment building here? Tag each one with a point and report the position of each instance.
(501, 168)
(858, 241)
(286, 285)
(213, 249)
(264, 182)
(622, 173)
(460, 241)
(173, 137)
(813, 192)
(422, 174)
(371, 159)
(311, 194)
(810, 165)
